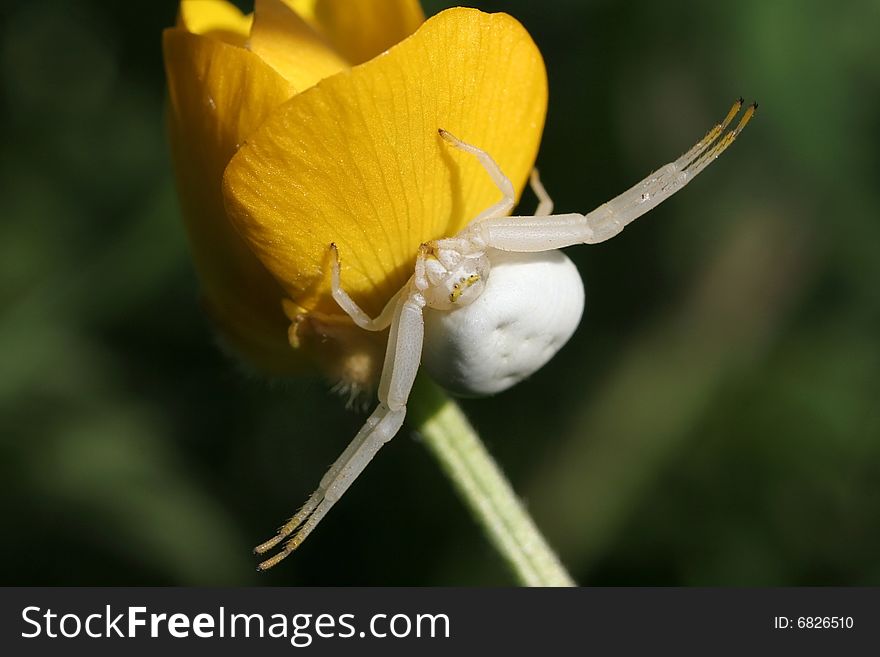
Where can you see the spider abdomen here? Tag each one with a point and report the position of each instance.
(531, 306)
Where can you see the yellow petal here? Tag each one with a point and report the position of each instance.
(361, 29)
(357, 160)
(305, 8)
(215, 18)
(288, 44)
(219, 94)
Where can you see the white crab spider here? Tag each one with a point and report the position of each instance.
(478, 333)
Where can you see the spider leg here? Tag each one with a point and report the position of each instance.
(402, 359)
(545, 203)
(610, 218)
(606, 221)
(362, 319)
(502, 207)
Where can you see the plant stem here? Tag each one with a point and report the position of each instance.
(483, 487)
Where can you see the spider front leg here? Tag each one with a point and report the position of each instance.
(531, 234)
(380, 323)
(545, 203)
(508, 195)
(402, 359)
(502, 207)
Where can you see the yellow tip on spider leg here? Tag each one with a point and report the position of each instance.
(709, 154)
(448, 136)
(699, 150)
(746, 117)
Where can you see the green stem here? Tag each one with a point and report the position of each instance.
(483, 487)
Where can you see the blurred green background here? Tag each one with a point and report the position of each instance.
(715, 421)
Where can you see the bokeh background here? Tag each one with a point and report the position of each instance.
(715, 421)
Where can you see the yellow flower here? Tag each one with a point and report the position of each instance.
(311, 152)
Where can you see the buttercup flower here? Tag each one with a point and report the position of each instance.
(394, 166)
(312, 151)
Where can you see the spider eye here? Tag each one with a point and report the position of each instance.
(463, 285)
(452, 287)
